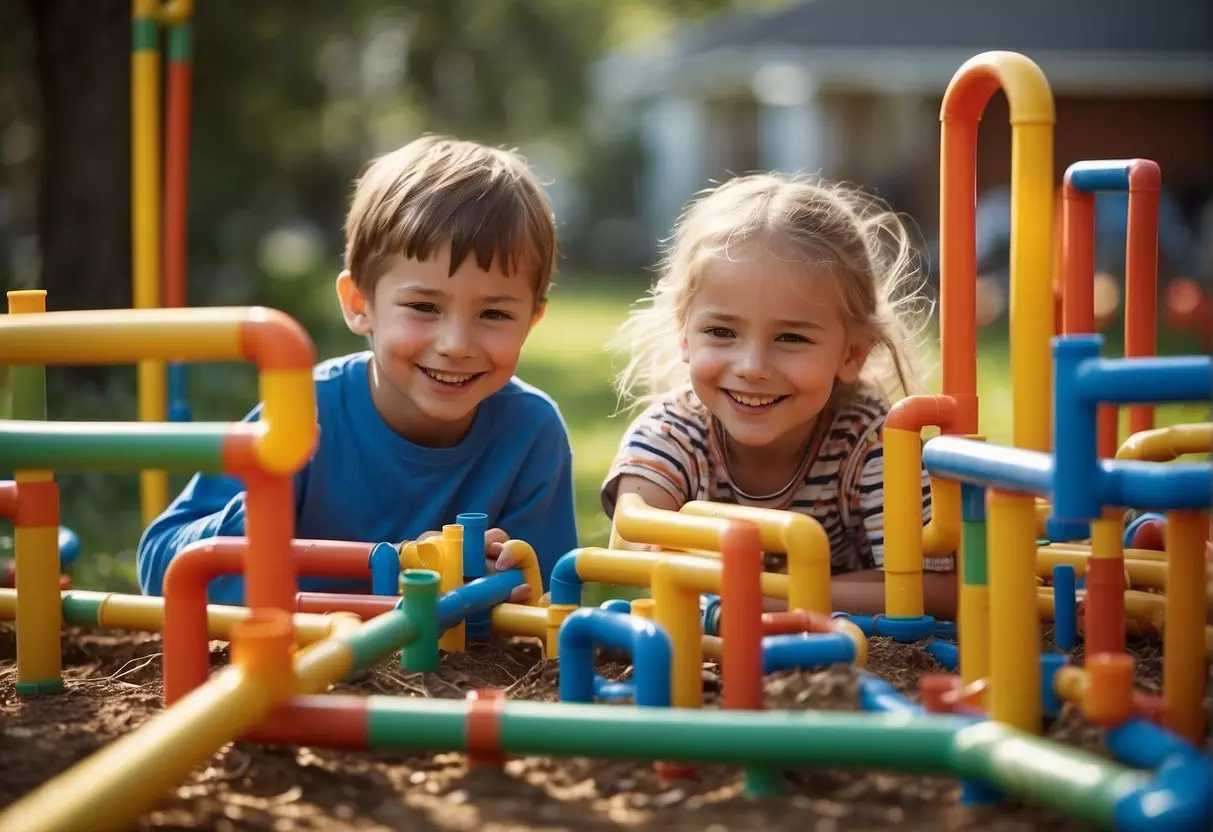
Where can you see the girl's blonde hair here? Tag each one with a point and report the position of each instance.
(853, 234)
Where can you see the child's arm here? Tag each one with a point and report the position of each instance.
(210, 506)
(863, 593)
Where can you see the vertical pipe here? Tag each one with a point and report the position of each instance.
(1075, 459)
(1186, 672)
(419, 588)
(958, 266)
(385, 569)
(35, 535)
(1015, 640)
(677, 610)
(903, 523)
(145, 225)
(1065, 625)
(1141, 275)
(973, 628)
(474, 524)
(1104, 622)
(176, 203)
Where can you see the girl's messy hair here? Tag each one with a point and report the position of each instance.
(853, 234)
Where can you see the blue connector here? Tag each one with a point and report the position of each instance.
(385, 569)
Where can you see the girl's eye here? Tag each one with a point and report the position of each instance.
(793, 338)
(423, 307)
(497, 315)
(718, 332)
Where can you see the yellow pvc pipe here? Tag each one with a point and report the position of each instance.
(1142, 573)
(1185, 672)
(798, 536)
(1150, 555)
(1166, 444)
(1014, 628)
(1031, 315)
(1145, 613)
(520, 620)
(39, 657)
(113, 787)
(677, 582)
(634, 568)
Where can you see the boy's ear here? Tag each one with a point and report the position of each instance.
(353, 305)
(853, 360)
(538, 316)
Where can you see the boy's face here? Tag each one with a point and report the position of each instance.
(442, 343)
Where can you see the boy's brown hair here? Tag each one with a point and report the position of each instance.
(484, 201)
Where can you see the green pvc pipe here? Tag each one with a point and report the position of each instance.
(973, 547)
(1046, 773)
(28, 393)
(1012, 761)
(419, 591)
(82, 608)
(120, 446)
(380, 637)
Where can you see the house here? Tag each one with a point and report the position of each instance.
(853, 88)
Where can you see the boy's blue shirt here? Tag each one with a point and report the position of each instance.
(367, 483)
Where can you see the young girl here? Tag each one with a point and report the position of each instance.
(776, 336)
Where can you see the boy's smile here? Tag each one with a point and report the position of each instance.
(442, 342)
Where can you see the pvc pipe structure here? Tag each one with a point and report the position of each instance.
(476, 596)
(1166, 444)
(1142, 180)
(877, 695)
(1032, 117)
(186, 662)
(700, 524)
(1143, 485)
(648, 645)
(1082, 483)
(116, 611)
(33, 504)
(474, 525)
(99, 792)
(176, 16)
(907, 540)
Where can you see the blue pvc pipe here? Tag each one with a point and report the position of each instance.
(787, 652)
(946, 653)
(385, 569)
(474, 596)
(566, 584)
(1173, 378)
(1154, 486)
(69, 547)
(1100, 175)
(988, 464)
(177, 393)
(475, 524)
(586, 628)
(1180, 794)
(878, 695)
(1065, 607)
(607, 691)
(616, 605)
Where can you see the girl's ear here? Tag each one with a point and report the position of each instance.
(853, 360)
(353, 305)
(684, 348)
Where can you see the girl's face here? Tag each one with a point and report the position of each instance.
(766, 342)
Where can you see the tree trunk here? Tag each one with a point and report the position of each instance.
(83, 64)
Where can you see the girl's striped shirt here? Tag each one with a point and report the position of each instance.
(675, 445)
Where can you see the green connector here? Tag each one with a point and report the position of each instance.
(419, 590)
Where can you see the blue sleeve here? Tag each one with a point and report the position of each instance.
(541, 509)
(210, 505)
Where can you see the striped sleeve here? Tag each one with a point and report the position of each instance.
(868, 498)
(663, 447)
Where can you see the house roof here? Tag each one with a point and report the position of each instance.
(1163, 26)
(1106, 46)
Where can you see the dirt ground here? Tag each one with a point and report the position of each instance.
(114, 686)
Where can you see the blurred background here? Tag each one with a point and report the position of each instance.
(624, 107)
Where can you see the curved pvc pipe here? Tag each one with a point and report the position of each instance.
(186, 662)
(649, 645)
(1032, 117)
(946, 653)
(607, 691)
(1178, 796)
(877, 695)
(1166, 444)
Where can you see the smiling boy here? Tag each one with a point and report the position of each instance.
(450, 252)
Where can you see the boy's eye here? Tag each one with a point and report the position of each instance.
(422, 306)
(793, 338)
(718, 332)
(497, 315)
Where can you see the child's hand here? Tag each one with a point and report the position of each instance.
(500, 556)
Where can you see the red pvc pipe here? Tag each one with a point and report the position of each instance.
(741, 619)
(797, 621)
(1141, 275)
(186, 659)
(176, 181)
(318, 720)
(1104, 616)
(365, 607)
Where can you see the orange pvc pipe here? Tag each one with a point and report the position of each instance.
(186, 661)
(317, 720)
(176, 179)
(8, 499)
(741, 618)
(1141, 275)
(365, 607)
(913, 413)
(796, 621)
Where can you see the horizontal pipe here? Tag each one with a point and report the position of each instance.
(117, 446)
(1177, 378)
(1089, 176)
(475, 596)
(1166, 444)
(806, 651)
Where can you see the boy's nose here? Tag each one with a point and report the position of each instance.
(454, 341)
